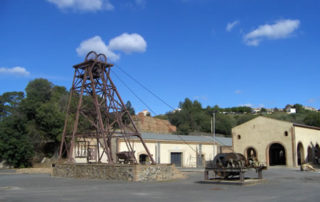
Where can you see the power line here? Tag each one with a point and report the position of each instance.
(144, 87)
(149, 108)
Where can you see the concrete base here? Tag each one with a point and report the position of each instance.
(249, 181)
(119, 172)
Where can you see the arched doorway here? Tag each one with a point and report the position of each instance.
(300, 153)
(310, 154)
(251, 155)
(317, 154)
(277, 155)
(143, 159)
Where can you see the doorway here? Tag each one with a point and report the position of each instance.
(300, 153)
(277, 155)
(176, 158)
(143, 159)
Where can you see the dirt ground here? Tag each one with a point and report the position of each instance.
(281, 184)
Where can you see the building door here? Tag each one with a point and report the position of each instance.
(143, 159)
(92, 154)
(277, 155)
(176, 159)
(300, 154)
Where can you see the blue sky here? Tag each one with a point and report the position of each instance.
(229, 53)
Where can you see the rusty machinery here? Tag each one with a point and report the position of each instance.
(94, 100)
(229, 165)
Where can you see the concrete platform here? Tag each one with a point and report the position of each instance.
(118, 172)
(249, 181)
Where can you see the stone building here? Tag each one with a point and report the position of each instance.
(275, 142)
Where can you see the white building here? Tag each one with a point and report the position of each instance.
(181, 150)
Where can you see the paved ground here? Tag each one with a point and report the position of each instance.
(281, 184)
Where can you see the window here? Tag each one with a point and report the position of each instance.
(239, 137)
(81, 149)
(286, 133)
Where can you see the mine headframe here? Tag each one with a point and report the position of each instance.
(95, 111)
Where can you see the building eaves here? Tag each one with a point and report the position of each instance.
(306, 126)
(224, 141)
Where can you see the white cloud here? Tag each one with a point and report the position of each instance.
(279, 30)
(128, 43)
(201, 97)
(312, 100)
(247, 105)
(16, 71)
(141, 3)
(96, 44)
(237, 91)
(83, 5)
(231, 25)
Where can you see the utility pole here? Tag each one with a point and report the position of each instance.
(214, 126)
(213, 129)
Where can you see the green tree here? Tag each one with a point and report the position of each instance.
(15, 145)
(312, 119)
(130, 108)
(191, 118)
(9, 102)
(263, 110)
(299, 108)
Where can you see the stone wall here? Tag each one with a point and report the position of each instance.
(121, 172)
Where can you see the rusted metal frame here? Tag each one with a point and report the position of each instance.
(119, 121)
(100, 104)
(103, 151)
(85, 116)
(63, 141)
(123, 132)
(138, 134)
(131, 120)
(75, 126)
(122, 127)
(103, 100)
(126, 138)
(112, 106)
(104, 94)
(101, 126)
(93, 135)
(77, 80)
(108, 105)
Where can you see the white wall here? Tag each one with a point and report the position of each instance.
(189, 151)
(308, 137)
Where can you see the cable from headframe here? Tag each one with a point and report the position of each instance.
(144, 87)
(149, 108)
(185, 142)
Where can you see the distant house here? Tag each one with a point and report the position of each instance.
(310, 108)
(144, 113)
(290, 109)
(256, 110)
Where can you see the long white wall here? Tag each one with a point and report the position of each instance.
(189, 151)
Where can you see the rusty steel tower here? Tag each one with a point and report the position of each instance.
(95, 102)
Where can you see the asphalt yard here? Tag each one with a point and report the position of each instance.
(281, 184)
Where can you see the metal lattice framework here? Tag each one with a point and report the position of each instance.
(108, 117)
